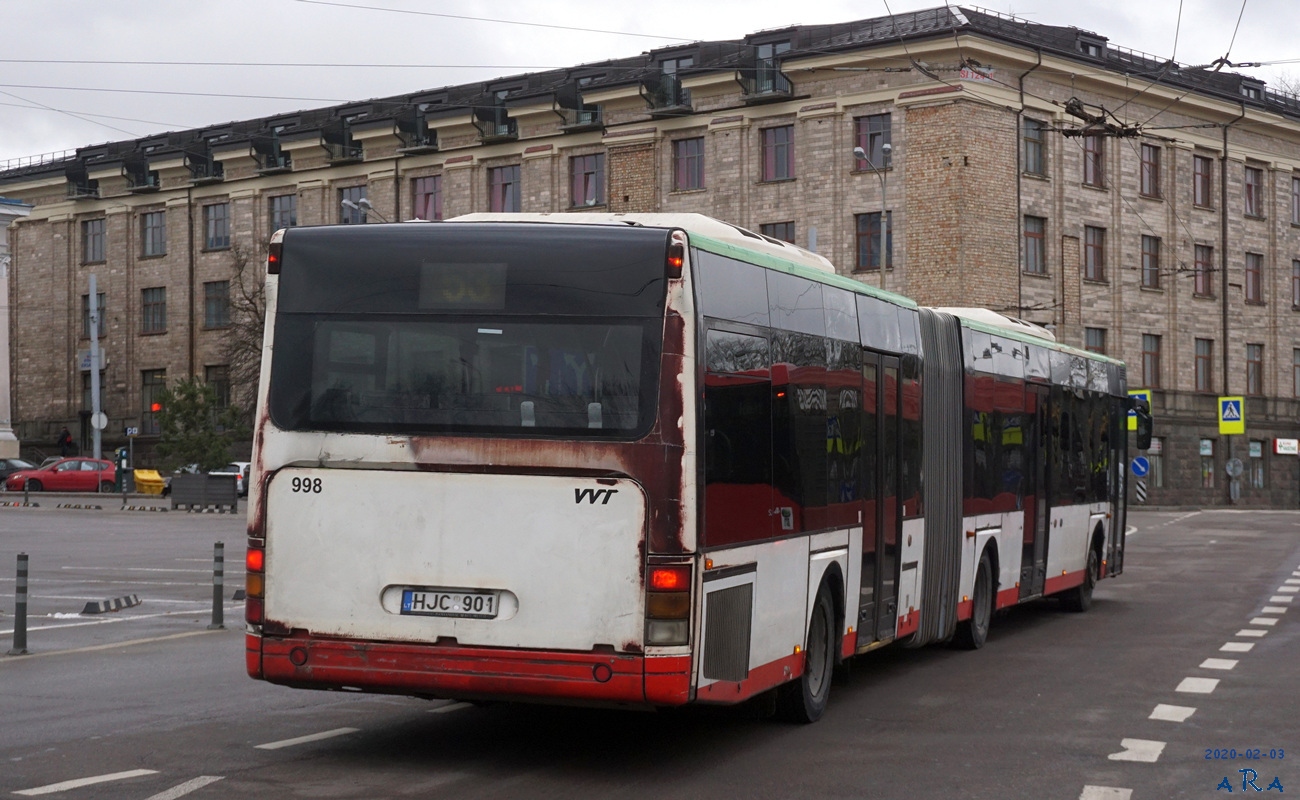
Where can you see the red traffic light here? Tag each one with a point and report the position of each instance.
(155, 407)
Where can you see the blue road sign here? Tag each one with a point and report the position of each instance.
(1140, 466)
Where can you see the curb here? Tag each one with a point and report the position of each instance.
(18, 504)
(115, 604)
(80, 505)
(143, 508)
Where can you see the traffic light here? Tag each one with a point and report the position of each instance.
(155, 407)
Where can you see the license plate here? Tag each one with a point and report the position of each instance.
(445, 603)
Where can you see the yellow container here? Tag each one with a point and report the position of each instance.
(148, 481)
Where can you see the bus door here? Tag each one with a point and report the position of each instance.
(881, 520)
(1033, 558)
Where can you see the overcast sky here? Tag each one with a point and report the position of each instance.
(47, 107)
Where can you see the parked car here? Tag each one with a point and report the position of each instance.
(66, 475)
(240, 470)
(9, 466)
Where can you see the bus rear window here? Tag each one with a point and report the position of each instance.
(470, 329)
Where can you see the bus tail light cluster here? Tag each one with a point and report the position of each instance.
(255, 584)
(676, 254)
(668, 606)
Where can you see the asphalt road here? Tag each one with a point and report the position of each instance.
(152, 705)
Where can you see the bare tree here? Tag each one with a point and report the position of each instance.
(1287, 81)
(243, 345)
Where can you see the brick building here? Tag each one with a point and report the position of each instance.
(1031, 169)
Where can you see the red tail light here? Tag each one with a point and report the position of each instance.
(670, 579)
(676, 254)
(273, 258)
(255, 560)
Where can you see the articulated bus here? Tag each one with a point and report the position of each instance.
(646, 460)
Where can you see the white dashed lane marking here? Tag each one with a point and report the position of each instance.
(1143, 750)
(1198, 685)
(1273, 610)
(1256, 632)
(1281, 599)
(1218, 663)
(1265, 621)
(1172, 713)
(182, 789)
(1288, 589)
(1237, 647)
(64, 786)
(1105, 793)
(314, 737)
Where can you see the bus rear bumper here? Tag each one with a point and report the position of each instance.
(469, 672)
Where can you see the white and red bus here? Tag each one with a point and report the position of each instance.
(649, 460)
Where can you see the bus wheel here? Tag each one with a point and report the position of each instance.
(1079, 599)
(972, 633)
(804, 700)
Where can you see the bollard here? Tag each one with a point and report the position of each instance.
(20, 609)
(218, 585)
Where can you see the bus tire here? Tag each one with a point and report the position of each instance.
(804, 700)
(1079, 599)
(974, 632)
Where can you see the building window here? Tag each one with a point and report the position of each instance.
(778, 151)
(350, 210)
(503, 188)
(85, 316)
(688, 164)
(92, 241)
(778, 230)
(218, 378)
(1035, 142)
(869, 250)
(216, 226)
(1256, 464)
(1254, 369)
(587, 180)
(284, 211)
(1202, 181)
(216, 304)
(767, 68)
(153, 310)
(1204, 271)
(1155, 456)
(1094, 253)
(1094, 340)
(1094, 161)
(1150, 262)
(1204, 365)
(1295, 201)
(1150, 184)
(872, 133)
(1254, 278)
(1207, 463)
(1254, 192)
(671, 94)
(1295, 284)
(1295, 372)
(1035, 258)
(153, 233)
(427, 193)
(86, 390)
(152, 382)
(1150, 361)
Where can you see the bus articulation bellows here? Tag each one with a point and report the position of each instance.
(646, 460)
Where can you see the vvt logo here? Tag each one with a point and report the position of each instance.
(592, 495)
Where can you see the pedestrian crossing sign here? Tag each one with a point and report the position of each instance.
(1231, 417)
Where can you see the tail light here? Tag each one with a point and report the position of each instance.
(676, 254)
(668, 605)
(255, 583)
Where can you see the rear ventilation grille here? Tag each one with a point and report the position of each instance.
(726, 633)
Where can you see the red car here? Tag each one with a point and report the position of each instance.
(66, 475)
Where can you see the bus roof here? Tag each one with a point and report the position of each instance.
(718, 237)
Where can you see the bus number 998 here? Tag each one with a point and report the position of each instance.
(306, 485)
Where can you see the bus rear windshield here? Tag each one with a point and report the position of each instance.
(483, 328)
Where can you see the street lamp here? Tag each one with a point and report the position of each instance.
(363, 205)
(886, 229)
